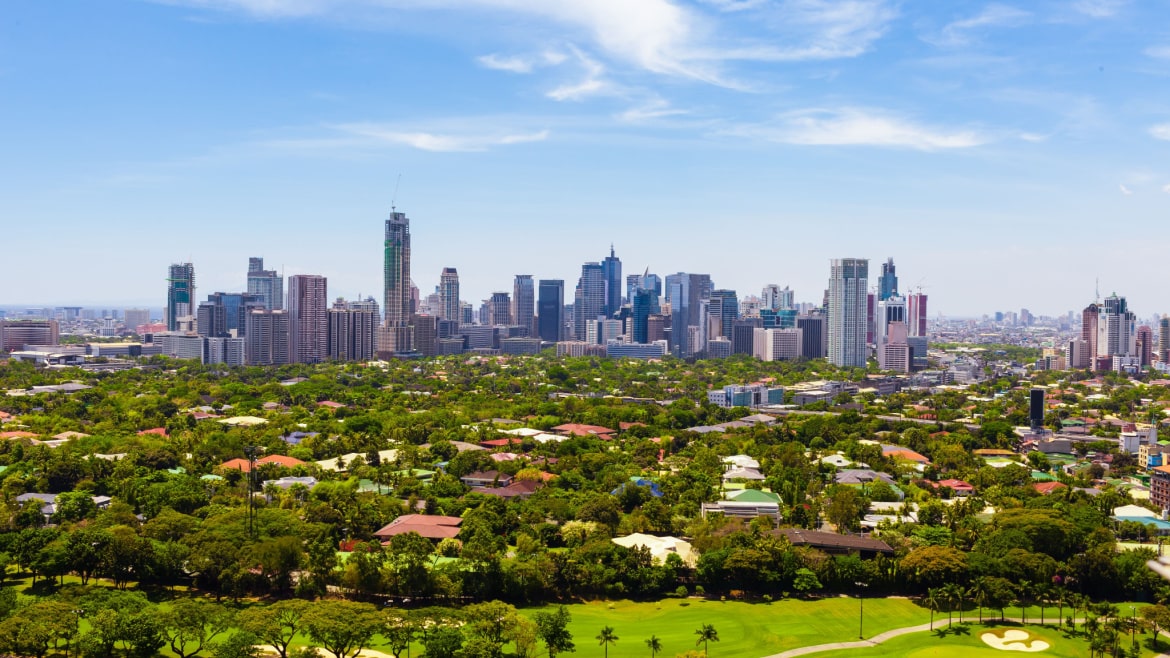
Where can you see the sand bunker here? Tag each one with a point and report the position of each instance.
(1014, 640)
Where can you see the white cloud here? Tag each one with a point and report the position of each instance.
(521, 63)
(1033, 137)
(428, 141)
(655, 109)
(661, 36)
(592, 83)
(1099, 8)
(1158, 52)
(1125, 190)
(959, 32)
(854, 127)
(1161, 131)
(1166, 188)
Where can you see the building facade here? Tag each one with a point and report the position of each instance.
(524, 303)
(398, 302)
(267, 284)
(551, 309)
(847, 312)
(308, 318)
(180, 294)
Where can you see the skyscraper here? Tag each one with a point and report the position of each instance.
(588, 298)
(551, 309)
(398, 301)
(684, 292)
(725, 309)
(266, 343)
(500, 309)
(1164, 339)
(1089, 321)
(1116, 329)
(848, 281)
(611, 271)
(888, 281)
(308, 318)
(351, 330)
(523, 303)
(916, 314)
(449, 295)
(641, 307)
(268, 284)
(180, 294)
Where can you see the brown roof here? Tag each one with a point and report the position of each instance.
(833, 541)
(1048, 487)
(518, 489)
(17, 435)
(577, 429)
(431, 527)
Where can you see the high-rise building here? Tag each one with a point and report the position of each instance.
(1090, 319)
(724, 309)
(1164, 339)
(777, 344)
(848, 282)
(351, 330)
(813, 335)
(551, 309)
(224, 349)
(136, 317)
(684, 292)
(268, 284)
(266, 341)
(211, 320)
(1116, 329)
(743, 334)
(180, 294)
(888, 281)
(892, 309)
(308, 318)
(398, 301)
(589, 298)
(15, 334)
(611, 271)
(524, 303)
(916, 314)
(1145, 345)
(449, 306)
(641, 307)
(500, 309)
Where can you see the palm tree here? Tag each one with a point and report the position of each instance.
(979, 596)
(954, 595)
(706, 633)
(933, 597)
(654, 644)
(607, 637)
(1023, 592)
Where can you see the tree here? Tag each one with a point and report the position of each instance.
(444, 643)
(706, 633)
(343, 628)
(1158, 618)
(276, 624)
(241, 644)
(553, 629)
(33, 630)
(953, 594)
(933, 566)
(806, 581)
(933, 599)
(654, 644)
(845, 508)
(493, 621)
(191, 624)
(607, 637)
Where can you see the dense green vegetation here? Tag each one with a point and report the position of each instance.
(177, 527)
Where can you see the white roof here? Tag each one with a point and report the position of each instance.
(660, 547)
(543, 437)
(837, 460)
(1134, 510)
(246, 421)
(522, 431)
(742, 461)
(331, 464)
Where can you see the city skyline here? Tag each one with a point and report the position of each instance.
(973, 142)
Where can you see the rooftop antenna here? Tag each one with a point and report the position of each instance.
(1097, 290)
(394, 199)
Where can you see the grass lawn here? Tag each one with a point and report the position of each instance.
(967, 642)
(746, 630)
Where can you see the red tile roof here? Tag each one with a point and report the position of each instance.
(431, 527)
(1046, 488)
(160, 431)
(242, 464)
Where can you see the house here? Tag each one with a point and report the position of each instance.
(861, 476)
(339, 464)
(960, 488)
(745, 504)
(577, 429)
(743, 474)
(288, 482)
(48, 502)
(898, 453)
(740, 461)
(835, 544)
(660, 547)
(295, 438)
(431, 527)
(159, 431)
(330, 404)
(1045, 488)
(245, 466)
(486, 479)
(243, 421)
(518, 490)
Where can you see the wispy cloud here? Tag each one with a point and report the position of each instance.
(1125, 190)
(590, 85)
(521, 63)
(1161, 131)
(1158, 52)
(1166, 188)
(856, 127)
(962, 32)
(655, 109)
(438, 142)
(1099, 8)
(813, 30)
(734, 5)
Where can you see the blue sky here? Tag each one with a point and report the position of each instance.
(1005, 154)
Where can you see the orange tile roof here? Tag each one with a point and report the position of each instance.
(160, 431)
(1048, 487)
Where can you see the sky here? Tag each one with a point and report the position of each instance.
(1005, 155)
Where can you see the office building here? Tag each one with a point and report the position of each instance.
(308, 318)
(814, 338)
(224, 350)
(352, 326)
(611, 272)
(1145, 345)
(641, 307)
(266, 339)
(499, 310)
(1077, 354)
(180, 345)
(135, 317)
(656, 327)
(916, 314)
(684, 292)
(520, 345)
(449, 305)
(1164, 339)
(777, 344)
(893, 351)
(743, 337)
(394, 335)
(1116, 329)
(847, 315)
(426, 334)
(589, 298)
(180, 294)
(15, 334)
(551, 309)
(210, 319)
(267, 284)
(887, 281)
(1036, 409)
(1090, 319)
(524, 303)
(718, 348)
(619, 350)
(723, 309)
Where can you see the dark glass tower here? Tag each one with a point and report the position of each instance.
(550, 309)
(180, 294)
(611, 271)
(888, 281)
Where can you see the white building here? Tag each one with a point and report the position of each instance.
(777, 344)
(848, 316)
